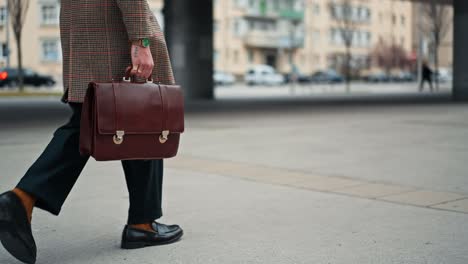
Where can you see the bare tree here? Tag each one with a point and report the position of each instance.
(436, 24)
(342, 12)
(390, 57)
(17, 10)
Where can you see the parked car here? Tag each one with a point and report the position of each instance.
(223, 78)
(444, 75)
(403, 76)
(263, 75)
(327, 76)
(9, 77)
(378, 77)
(301, 78)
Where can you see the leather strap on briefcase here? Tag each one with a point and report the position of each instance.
(127, 120)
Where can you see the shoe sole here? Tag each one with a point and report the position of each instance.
(136, 245)
(12, 242)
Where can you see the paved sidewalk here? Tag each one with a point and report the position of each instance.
(276, 182)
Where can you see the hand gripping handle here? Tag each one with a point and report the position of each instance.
(128, 77)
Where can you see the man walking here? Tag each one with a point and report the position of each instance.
(426, 76)
(100, 40)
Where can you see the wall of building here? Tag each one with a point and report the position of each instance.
(377, 21)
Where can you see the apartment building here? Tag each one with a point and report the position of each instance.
(305, 34)
(257, 31)
(41, 44)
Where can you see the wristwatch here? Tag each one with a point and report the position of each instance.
(143, 42)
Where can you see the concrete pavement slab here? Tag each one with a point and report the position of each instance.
(423, 198)
(459, 206)
(230, 220)
(373, 190)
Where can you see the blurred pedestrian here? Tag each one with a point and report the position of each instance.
(100, 41)
(426, 76)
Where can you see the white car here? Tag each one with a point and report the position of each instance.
(223, 78)
(263, 75)
(445, 75)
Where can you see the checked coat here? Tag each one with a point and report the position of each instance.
(95, 38)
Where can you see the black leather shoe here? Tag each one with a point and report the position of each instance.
(133, 238)
(15, 229)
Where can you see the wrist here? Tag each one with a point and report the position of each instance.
(143, 42)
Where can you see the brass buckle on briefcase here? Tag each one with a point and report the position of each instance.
(164, 136)
(118, 137)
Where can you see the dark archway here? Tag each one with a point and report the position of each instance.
(189, 34)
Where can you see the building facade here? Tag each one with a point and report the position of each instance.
(257, 32)
(306, 34)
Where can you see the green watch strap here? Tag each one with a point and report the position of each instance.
(145, 42)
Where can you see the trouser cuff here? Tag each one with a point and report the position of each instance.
(42, 202)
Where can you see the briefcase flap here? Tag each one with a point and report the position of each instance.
(138, 108)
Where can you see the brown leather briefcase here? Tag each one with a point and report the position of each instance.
(127, 120)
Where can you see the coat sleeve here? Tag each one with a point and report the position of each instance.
(137, 17)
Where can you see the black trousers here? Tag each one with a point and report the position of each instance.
(425, 79)
(51, 178)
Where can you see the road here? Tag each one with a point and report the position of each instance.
(338, 179)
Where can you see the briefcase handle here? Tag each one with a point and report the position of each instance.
(128, 78)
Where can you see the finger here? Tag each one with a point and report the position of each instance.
(147, 71)
(150, 72)
(128, 69)
(134, 70)
(141, 70)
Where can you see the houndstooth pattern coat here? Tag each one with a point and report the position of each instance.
(95, 38)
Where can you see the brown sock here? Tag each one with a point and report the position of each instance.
(146, 227)
(28, 201)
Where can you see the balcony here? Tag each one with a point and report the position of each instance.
(275, 14)
(259, 13)
(273, 41)
(292, 14)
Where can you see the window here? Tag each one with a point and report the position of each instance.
(240, 3)
(251, 56)
(3, 15)
(240, 26)
(236, 56)
(51, 50)
(3, 51)
(49, 14)
(368, 39)
(335, 36)
(236, 27)
(316, 9)
(316, 35)
(276, 5)
(367, 14)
